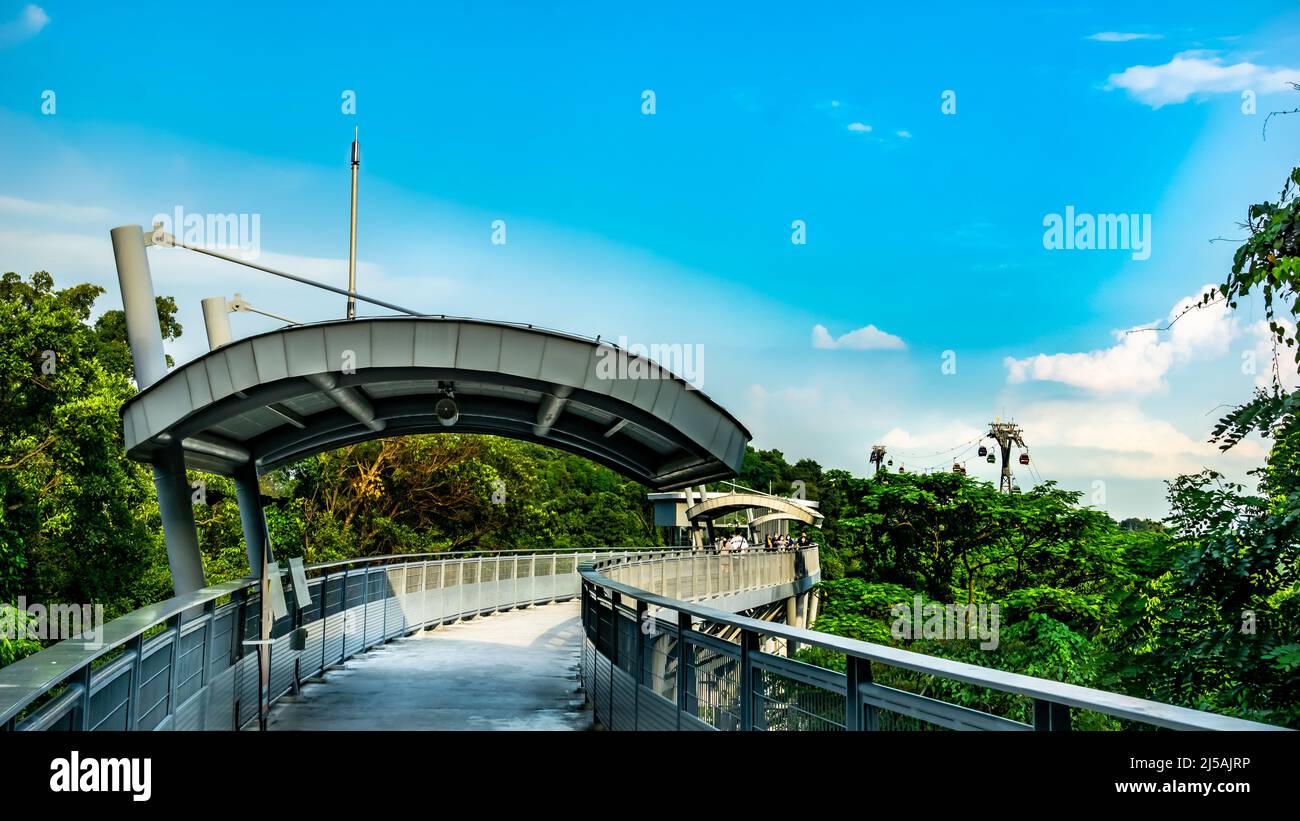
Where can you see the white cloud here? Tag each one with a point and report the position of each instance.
(17, 207)
(904, 134)
(1122, 36)
(1140, 358)
(1197, 72)
(940, 437)
(25, 26)
(860, 128)
(1116, 438)
(869, 338)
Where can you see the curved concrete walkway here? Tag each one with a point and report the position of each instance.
(516, 670)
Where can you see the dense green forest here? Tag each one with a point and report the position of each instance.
(1199, 610)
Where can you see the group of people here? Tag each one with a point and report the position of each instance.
(738, 543)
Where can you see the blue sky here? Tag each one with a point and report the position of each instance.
(676, 227)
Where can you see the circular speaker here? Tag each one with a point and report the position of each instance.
(447, 411)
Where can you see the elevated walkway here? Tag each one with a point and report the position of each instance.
(190, 663)
(516, 670)
(662, 647)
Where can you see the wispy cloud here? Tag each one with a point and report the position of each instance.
(869, 338)
(1198, 72)
(17, 207)
(860, 128)
(1122, 36)
(29, 23)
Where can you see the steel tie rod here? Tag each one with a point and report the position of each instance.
(163, 239)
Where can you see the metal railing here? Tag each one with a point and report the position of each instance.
(654, 660)
(184, 664)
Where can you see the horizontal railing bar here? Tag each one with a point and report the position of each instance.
(55, 710)
(110, 713)
(106, 674)
(802, 672)
(934, 711)
(27, 679)
(715, 644)
(1072, 695)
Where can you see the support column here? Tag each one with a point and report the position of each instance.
(793, 618)
(249, 496)
(143, 333)
(216, 321)
(144, 336)
(176, 508)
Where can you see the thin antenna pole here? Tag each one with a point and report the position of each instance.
(352, 237)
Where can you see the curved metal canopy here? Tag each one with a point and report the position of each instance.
(718, 506)
(787, 517)
(281, 396)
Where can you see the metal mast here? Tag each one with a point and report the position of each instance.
(1006, 434)
(352, 236)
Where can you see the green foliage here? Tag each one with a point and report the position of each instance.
(77, 519)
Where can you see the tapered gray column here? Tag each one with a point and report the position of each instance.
(253, 518)
(176, 506)
(216, 321)
(144, 336)
(143, 333)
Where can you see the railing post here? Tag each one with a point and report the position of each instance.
(748, 646)
(238, 634)
(174, 627)
(365, 606)
(209, 645)
(385, 587)
(295, 622)
(857, 672)
(84, 676)
(324, 622)
(480, 586)
(133, 696)
(1049, 716)
(683, 626)
(442, 591)
(642, 622)
(614, 599)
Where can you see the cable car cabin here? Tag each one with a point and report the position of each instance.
(991, 459)
(1024, 458)
(984, 451)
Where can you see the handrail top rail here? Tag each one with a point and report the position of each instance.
(485, 554)
(25, 680)
(1073, 695)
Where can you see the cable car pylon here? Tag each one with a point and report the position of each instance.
(1006, 434)
(878, 457)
